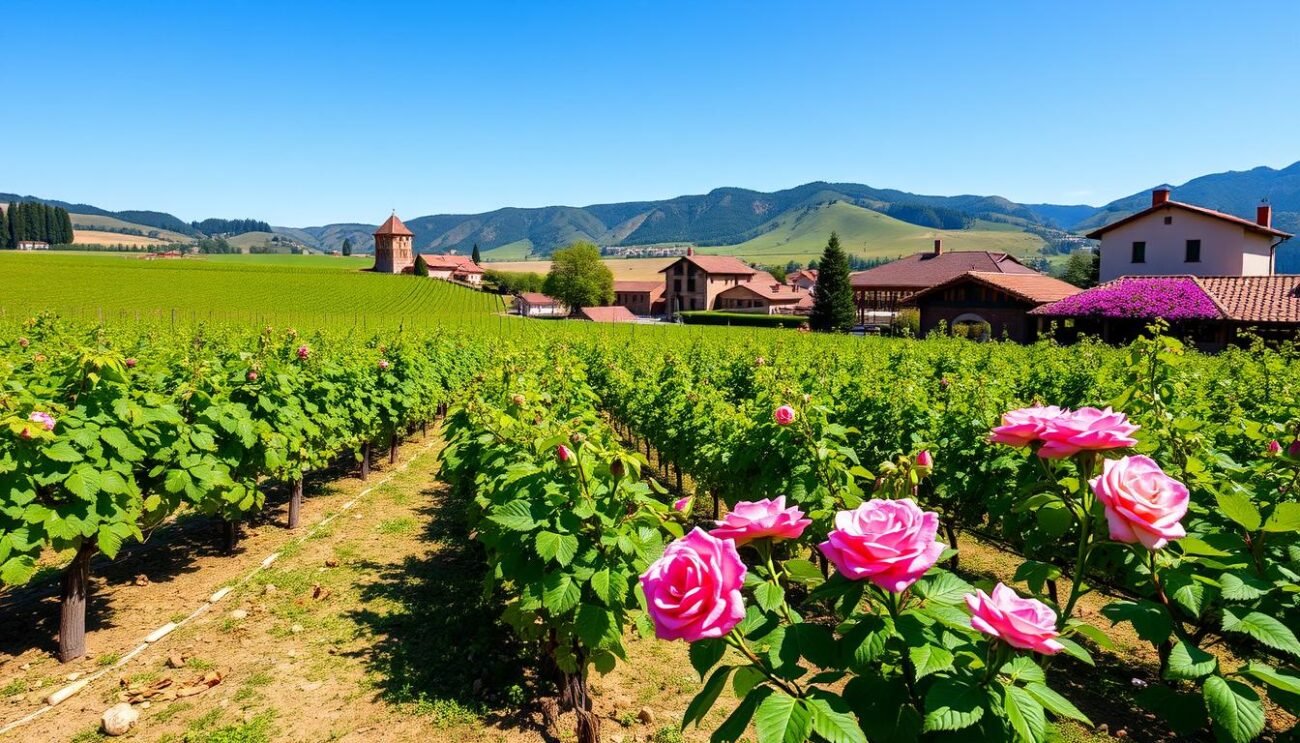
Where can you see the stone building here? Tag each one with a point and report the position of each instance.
(394, 252)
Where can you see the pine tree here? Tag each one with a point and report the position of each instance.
(4, 227)
(833, 309)
(476, 256)
(347, 246)
(421, 268)
(17, 224)
(69, 234)
(53, 226)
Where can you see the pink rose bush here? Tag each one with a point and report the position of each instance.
(44, 420)
(888, 542)
(1025, 426)
(783, 415)
(764, 519)
(1027, 624)
(692, 592)
(1143, 504)
(1086, 429)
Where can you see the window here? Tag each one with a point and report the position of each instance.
(677, 285)
(690, 284)
(1139, 252)
(1193, 251)
(1169, 220)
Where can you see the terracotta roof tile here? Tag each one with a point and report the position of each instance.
(538, 298)
(638, 286)
(440, 262)
(769, 290)
(1034, 288)
(1262, 299)
(715, 264)
(1245, 223)
(616, 313)
(924, 270)
(393, 226)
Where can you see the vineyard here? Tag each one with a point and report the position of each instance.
(255, 290)
(850, 540)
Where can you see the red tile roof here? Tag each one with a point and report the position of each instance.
(1256, 299)
(1034, 288)
(538, 298)
(616, 313)
(639, 286)
(769, 290)
(924, 270)
(440, 262)
(1244, 223)
(393, 226)
(803, 273)
(724, 264)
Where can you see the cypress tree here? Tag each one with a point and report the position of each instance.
(833, 309)
(18, 224)
(347, 246)
(69, 235)
(421, 268)
(476, 256)
(4, 228)
(53, 227)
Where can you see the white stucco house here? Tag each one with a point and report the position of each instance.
(1171, 238)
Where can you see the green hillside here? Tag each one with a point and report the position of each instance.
(800, 235)
(515, 251)
(111, 224)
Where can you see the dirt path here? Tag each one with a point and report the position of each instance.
(372, 629)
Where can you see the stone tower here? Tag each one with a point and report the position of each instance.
(393, 252)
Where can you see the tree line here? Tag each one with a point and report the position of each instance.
(30, 220)
(230, 226)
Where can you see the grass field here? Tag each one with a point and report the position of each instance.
(95, 221)
(97, 237)
(518, 250)
(802, 237)
(254, 289)
(625, 269)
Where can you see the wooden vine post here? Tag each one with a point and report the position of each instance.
(72, 618)
(295, 504)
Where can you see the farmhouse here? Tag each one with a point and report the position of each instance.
(804, 278)
(693, 282)
(1209, 310)
(453, 268)
(1171, 238)
(606, 314)
(640, 297)
(535, 304)
(393, 249)
(884, 288)
(32, 245)
(999, 302)
(766, 297)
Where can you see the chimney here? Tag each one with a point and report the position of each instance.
(938, 247)
(690, 250)
(1160, 196)
(1264, 215)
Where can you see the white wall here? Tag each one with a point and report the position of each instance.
(1227, 249)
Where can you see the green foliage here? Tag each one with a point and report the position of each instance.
(1082, 268)
(421, 267)
(833, 309)
(579, 278)
(347, 246)
(741, 319)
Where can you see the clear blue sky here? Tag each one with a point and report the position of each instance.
(307, 113)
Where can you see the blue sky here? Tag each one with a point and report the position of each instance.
(307, 113)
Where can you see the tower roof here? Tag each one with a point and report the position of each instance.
(393, 226)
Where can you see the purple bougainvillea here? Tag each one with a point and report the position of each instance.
(1172, 298)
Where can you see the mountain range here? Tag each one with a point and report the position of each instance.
(736, 216)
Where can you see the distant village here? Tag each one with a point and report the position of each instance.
(1209, 274)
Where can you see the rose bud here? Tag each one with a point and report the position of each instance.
(25, 434)
(1294, 449)
(252, 376)
(563, 453)
(518, 400)
(23, 342)
(577, 438)
(683, 505)
(130, 363)
(1274, 448)
(617, 468)
(383, 365)
(303, 352)
(924, 459)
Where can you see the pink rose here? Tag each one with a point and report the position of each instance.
(751, 520)
(783, 415)
(1143, 504)
(1086, 429)
(925, 459)
(1025, 426)
(888, 542)
(682, 504)
(1027, 624)
(45, 419)
(563, 453)
(303, 352)
(252, 376)
(1274, 448)
(383, 365)
(692, 592)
